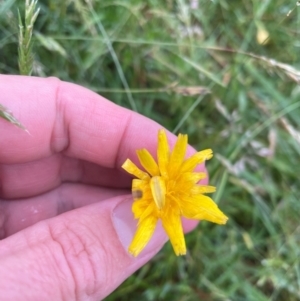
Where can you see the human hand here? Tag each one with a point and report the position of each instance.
(65, 203)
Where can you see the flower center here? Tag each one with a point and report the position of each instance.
(158, 189)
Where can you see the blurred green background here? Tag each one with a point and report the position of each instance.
(226, 73)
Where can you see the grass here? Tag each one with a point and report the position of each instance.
(157, 57)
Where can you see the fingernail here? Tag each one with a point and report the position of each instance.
(125, 226)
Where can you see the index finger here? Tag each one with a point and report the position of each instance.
(67, 118)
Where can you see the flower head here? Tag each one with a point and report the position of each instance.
(168, 190)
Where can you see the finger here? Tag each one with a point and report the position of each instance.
(63, 117)
(23, 180)
(79, 255)
(19, 214)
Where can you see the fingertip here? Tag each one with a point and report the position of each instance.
(126, 226)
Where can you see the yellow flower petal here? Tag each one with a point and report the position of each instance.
(200, 189)
(140, 206)
(150, 210)
(141, 189)
(202, 207)
(158, 189)
(171, 222)
(131, 168)
(187, 181)
(177, 155)
(196, 159)
(163, 153)
(142, 236)
(193, 177)
(148, 162)
(138, 184)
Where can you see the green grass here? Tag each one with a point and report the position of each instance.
(140, 54)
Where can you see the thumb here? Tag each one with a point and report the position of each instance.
(79, 255)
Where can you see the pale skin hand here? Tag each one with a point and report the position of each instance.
(62, 191)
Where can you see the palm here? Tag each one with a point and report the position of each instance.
(41, 189)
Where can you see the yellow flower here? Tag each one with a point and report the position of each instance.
(168, 190)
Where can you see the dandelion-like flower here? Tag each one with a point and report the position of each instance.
(168, 190)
